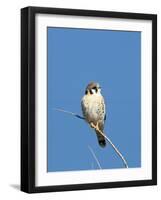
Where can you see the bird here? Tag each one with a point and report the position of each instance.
(94, 109)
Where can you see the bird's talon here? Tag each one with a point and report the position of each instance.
(97, 126)
(92, 125)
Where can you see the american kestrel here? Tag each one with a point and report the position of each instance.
(93, 108)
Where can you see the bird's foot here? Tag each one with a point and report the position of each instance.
(92, 125)
(96, 127)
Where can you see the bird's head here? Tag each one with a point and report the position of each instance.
(93, 88)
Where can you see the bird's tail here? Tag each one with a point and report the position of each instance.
(101, 139)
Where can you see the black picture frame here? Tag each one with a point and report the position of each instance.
(28, 98)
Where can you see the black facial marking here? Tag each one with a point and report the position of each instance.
(95, 88)
(90, 91)
(86, 92)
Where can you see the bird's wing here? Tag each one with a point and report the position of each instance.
(105, 118)
(103, 107)
(83, 107)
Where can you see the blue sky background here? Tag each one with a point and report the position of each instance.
(75, 58)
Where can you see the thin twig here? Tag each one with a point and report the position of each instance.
(109, 141)
(94, 155)
(117, 151)
(68, 112)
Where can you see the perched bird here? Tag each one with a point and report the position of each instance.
(93, 108)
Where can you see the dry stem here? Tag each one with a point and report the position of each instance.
(96, 128)
(94, 155)
(109, 141)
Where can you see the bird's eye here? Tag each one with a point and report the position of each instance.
(95, 88)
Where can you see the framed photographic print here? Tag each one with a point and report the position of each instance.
(88, 99)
